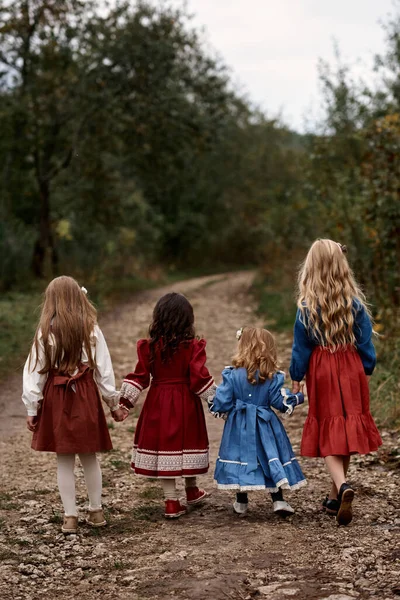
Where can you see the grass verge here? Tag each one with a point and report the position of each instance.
(20, 310)
(18, 316)
(385, 382)
(275, 299)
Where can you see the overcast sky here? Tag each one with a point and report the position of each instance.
(273, 46)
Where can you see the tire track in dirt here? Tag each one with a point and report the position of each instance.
(209, 554)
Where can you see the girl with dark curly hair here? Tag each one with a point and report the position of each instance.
(171, 436)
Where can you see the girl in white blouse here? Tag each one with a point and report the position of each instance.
(69, 366)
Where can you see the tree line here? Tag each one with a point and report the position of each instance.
(125, 145)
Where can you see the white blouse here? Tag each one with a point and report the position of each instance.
(34, 382)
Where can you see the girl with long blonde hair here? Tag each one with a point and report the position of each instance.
(333, 346)
(255, 451)
(69, 366)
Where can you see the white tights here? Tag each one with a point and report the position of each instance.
(169, 487)
(66, 481)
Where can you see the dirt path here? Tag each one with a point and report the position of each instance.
(209, 554)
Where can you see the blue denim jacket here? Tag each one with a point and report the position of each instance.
(305, 342)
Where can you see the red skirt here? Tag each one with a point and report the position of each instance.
(71, 418)
(339, 421)
(171, 436)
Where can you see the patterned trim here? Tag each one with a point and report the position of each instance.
(244, 488)
(167, 452)
(130, 392)
(249, 488)
(135, 383)
(186, 460)
(209, 396)
(205, 388)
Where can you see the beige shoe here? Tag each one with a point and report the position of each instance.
(96, 518)
(70, 524)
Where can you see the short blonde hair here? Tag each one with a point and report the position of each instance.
(256, 352)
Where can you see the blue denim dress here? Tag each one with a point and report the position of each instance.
(255, 451)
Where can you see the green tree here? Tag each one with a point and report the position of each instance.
(47, 102)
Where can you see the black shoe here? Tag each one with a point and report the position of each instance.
(330, 506)
(345, 498)
(242, 498)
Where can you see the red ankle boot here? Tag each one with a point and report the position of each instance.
(194, 495)
(174, 509)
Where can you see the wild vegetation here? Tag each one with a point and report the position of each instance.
(124, 146)
(126, 151)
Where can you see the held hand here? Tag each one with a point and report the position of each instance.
(31, 423)
(296, 388)
(120, 414)
(117, 415)
(125, 413)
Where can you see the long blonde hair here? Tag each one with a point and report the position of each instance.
(68, 317)
(256, 352)
(326, 292)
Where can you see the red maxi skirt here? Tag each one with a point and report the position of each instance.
(339, 421)
(171, 436)
(71, 419)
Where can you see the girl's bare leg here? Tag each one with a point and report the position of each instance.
(341, 470)
(335, 466)
(333, 494)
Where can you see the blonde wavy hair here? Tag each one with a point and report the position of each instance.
(256, 352)
(65, 326)
(326, 291)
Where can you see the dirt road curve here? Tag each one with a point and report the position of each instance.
(209, 554)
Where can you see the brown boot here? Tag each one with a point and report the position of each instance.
(70, 524)
(96, 518)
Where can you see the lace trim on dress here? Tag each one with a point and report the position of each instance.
(283, 485)
(208, 395)
(130, 392)
(185, 460)
(206, 387)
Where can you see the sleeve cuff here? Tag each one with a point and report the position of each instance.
(209, 393)
(32, 412)
(297, 376)
(113, 402)
(129, 392)
(125, 402)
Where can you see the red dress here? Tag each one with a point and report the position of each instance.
(171, 436)
(71, 419)
(339, 421)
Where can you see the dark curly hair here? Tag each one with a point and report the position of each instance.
(173, 323)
